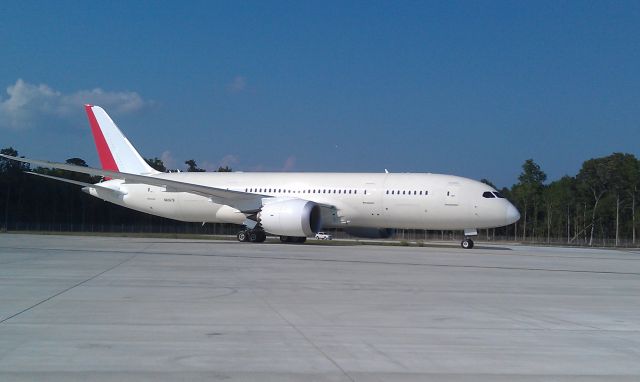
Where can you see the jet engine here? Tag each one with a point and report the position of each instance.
(291, 217)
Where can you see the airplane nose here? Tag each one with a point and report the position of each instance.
(512, 214)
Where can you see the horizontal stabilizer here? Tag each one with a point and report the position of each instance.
(78, 183)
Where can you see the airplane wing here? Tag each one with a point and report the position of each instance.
(243, 201)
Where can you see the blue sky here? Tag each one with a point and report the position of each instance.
(469, 88)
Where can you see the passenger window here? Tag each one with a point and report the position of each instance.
(488, 195)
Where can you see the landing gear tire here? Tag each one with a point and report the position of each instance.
(467, 244)
(252, 235)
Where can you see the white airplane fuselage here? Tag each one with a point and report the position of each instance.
(370, 200)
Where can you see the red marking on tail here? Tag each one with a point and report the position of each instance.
(106, 157)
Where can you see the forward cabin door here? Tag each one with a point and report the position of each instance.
(372, 202)
(451, 198)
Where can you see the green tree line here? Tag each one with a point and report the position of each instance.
(597, 206)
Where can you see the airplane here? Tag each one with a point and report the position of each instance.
(291, 205)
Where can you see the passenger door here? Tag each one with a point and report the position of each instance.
(450, 198)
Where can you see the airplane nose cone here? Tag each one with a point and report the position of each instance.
(512, 214)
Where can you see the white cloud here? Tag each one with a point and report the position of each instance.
(168, 160)
(239, 84)
(28, 104)
(289, 164)
(229, 160)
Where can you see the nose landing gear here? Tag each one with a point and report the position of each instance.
(467, 243)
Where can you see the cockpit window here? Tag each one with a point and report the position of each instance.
(487, 195)
(499, 195)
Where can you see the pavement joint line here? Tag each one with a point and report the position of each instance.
(300, 332)
(294, 327)
(22, 259)
(622, 251)
(385, 355)
(68, 289)
(386, 263)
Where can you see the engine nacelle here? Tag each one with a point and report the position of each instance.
(291, 217)
(371, 233)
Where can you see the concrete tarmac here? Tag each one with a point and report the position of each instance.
(135, 309)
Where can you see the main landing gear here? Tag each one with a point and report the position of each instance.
(252, 235)
(467, 243)
(257, 235)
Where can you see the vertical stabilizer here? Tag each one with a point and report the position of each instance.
(114, 149)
